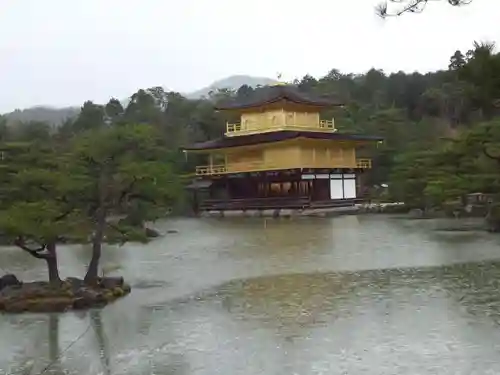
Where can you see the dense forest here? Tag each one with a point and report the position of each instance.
(441, 130)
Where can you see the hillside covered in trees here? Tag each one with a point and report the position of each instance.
(56, 116)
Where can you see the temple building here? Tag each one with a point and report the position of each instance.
(280, 156)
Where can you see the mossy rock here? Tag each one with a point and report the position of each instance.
(126, 289)
(118, 292)
(108, 295)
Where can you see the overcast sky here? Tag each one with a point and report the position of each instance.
(63, 52)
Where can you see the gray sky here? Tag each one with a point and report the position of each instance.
(63, 52)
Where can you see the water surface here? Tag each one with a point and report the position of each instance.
(347, 295)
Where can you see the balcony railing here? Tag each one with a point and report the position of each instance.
(208, 170)
(326, 124)
(211, 170)
(238, 128)
(364, 163)
(233, 128)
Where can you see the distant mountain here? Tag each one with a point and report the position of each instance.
(232, 83)
(57, 116)
(51, 115)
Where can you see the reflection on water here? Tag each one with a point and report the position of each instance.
(349, 295)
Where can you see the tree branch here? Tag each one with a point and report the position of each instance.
(488, 155)
(64, 215)
(114, 227)
(19, 242)
(62, 199)
(125, 235)
(142, 198)
(412, 6)
(125, 193)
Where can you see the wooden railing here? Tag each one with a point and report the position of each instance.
(269, 203)
(364, 163)
(210, 170)
(233, 128)
(335, 203)
(326, 124)
(257, 166)
(238, 128)
(256, 203)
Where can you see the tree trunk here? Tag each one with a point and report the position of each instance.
(52, 266)
(92, 274)
(93, 269)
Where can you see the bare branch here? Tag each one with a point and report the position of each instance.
(411, 6)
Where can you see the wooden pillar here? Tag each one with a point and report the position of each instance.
(266, 186)
(196, 204)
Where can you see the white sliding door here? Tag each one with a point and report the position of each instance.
(336, 189)
(350, 188)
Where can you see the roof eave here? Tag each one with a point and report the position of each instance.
(292, 135)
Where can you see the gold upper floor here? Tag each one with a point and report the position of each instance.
(278, 120)
(293, 154)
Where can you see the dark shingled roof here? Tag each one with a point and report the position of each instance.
(253, 139)
(273, 94)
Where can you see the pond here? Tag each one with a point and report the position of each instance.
(367, 294)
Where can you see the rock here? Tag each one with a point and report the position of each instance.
(151, 233)
(57, 304)
(87, 297)
(416, 213)
(111, 282)
(126, 288)
(172, 231)
(73, 283)
(118, 292)
(108, 295)
(9, 280)
(16, 307)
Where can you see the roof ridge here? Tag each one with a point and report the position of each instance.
(272, 94)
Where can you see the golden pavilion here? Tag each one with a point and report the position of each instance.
(280, 155)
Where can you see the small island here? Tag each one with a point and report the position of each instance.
(70, 294)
